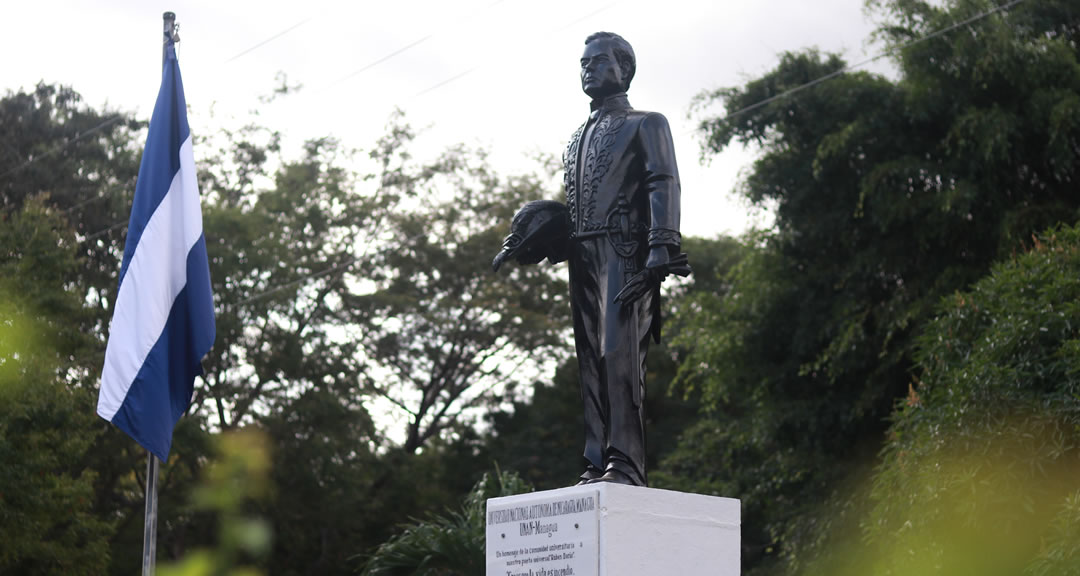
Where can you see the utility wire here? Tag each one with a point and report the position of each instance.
(92, 199)
(445, 82)
(118, 117)
(342, 266)
(888, 52)
(270, 39)
(586, 17)
(371, 65)
(398, 52)
(104, 231)
(732, 115)
(739, 112)
(63, 146)
(330, 270)
(460, 75)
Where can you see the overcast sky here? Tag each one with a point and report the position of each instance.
(499, 74)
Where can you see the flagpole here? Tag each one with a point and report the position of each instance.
(152, 355)
(150, 521)
(149, 559)
(170, 29)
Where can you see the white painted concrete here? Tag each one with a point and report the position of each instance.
(639, 532)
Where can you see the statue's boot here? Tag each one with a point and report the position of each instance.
(590, 474)
(615, 476)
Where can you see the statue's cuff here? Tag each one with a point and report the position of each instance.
(664, 236)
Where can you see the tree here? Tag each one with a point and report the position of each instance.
(541, 438)
(65, 171)
(441, 335)
(237, 477)
(326, 276)
(979, 471)
(888, 196)
(448, 545)
(323, 468)
(47, 426)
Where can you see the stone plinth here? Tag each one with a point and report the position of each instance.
(612, 530)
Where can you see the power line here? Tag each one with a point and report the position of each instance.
(733, 114)
(888, 52)
(398, 51)
(330, 270)
(451, 79)
(587, 16)
(104, 231)
(371, 65)
(342, 266)
(270, 39)
(95, 198)
(78, 136)
(445, 82)
(442, 83)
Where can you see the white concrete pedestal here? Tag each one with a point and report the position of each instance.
(612, 530)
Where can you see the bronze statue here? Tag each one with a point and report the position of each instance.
(622, 206)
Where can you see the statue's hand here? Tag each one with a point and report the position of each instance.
(659, 257)
(659, 264)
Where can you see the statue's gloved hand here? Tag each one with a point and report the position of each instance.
(659, 256)
(659, 264)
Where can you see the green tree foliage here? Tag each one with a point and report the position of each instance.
(279, 242)
(342, 293)
(312, 261)
(888, 196)
(82, 164)
(325, 503)
(443, 337)
(65, 171)
(451, 544)
(238, 476)
(980, 471)
(48, 524)
(541, 438)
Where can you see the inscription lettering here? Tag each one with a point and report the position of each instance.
(544, 510)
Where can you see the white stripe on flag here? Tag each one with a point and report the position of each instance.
(156, 275)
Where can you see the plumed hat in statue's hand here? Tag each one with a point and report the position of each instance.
(541, 229)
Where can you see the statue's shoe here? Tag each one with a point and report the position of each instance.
(590, 475)
(615, 477)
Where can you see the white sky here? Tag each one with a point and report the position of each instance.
(521, 94)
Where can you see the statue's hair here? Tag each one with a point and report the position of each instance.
(624, 54)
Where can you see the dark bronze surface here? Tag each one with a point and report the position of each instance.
(622, 199)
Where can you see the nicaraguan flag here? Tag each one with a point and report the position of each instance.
(163, 317)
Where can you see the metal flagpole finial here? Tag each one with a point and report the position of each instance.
(169, 35)
(170, 27)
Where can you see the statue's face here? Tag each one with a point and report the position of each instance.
(600, 72)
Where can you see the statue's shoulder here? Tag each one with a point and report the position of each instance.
(652, 120)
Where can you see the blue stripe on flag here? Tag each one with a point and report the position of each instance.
(163, 317)
(161, 158)
(175, 356)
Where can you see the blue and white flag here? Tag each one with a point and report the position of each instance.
(163, 317)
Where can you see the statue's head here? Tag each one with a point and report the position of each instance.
(607, 66)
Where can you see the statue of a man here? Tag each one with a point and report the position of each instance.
(620, 232)
(622, 192)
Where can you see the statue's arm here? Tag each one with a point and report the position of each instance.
(661, 180)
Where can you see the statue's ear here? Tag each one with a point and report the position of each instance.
(624, 66)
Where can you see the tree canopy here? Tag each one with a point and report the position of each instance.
(883, 373)
(888, 196)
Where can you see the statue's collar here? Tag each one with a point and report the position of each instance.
(613, 102)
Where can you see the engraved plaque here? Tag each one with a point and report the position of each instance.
(547, 534)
